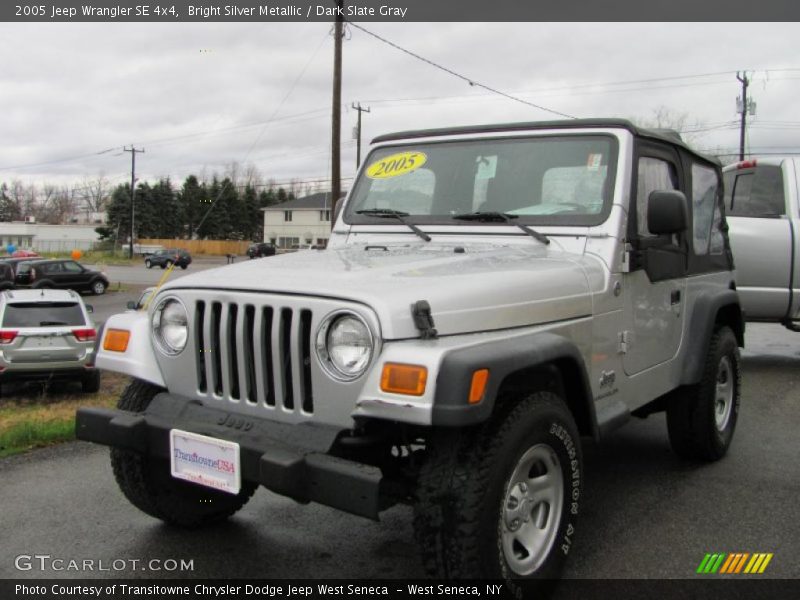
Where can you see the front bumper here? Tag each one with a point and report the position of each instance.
(291, 460)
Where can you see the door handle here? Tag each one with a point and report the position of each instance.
(675, 297)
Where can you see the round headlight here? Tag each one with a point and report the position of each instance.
(171, 326)
(345, 345)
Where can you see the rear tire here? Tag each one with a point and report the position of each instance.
(501, 502)
(148, 263)
(148, 485)
(701, 418)
(91, 382)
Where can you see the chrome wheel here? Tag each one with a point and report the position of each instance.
(723, 394)
(531, 511)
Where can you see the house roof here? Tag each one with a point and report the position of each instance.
(318, 201)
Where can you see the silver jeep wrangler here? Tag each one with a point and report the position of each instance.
(490, 295)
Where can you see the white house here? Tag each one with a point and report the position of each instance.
(301, 221)
(47, 238)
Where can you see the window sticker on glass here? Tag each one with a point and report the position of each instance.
(594, 162)
(395, 165)
(487, 167)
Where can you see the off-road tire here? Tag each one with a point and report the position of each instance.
(91, 382)
(148, 485)
(148, 263)
(463, 491)
(694, 431)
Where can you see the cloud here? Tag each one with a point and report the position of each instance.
(199, 96)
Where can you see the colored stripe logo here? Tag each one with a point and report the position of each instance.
(734, 563)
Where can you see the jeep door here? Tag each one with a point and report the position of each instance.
(654, 288)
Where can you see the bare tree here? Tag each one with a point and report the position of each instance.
(665, 118)
(95, 193)
(252, 176)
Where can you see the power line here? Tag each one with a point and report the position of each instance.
(264, 128)
(468, 80)
(59, 160)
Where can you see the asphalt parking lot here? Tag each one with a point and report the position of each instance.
(646, 513)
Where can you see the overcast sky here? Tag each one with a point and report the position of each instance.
(199, 96)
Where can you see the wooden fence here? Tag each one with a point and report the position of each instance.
(218, 247)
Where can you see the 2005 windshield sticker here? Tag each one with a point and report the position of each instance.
(395, 165)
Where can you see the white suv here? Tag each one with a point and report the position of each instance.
(47, 334)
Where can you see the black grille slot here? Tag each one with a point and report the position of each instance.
(249, 352)
(216, 355)
(233, 356)
(266, 354)
(199, 314)
(305, 358)
(286, 357)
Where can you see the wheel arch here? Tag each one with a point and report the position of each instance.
(710, 313)
(543, 361)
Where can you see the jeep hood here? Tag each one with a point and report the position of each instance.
(469, 288)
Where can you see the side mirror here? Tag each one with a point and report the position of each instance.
(89, 308)
(667, 212)
(131, 305)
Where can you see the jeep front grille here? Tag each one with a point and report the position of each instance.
(254, 354)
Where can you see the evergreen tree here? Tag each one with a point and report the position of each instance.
(119, 211)
(253, 224)
(9, 211)
(194, 202)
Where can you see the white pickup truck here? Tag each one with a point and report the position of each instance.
(761, 201)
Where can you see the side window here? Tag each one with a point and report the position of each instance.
(707, 233)
(757, 193)
(71, 267)
(654, 174)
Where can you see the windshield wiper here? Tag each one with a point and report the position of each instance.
(388, 213)
(498, 217)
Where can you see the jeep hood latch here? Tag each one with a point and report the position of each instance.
(423, 320)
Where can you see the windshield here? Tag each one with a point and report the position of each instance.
(549, 180)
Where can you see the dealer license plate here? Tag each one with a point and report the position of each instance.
(205, 460)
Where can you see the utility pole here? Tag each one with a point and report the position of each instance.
(133, 152)
(336, 125)
(358, 132)
(745, 82)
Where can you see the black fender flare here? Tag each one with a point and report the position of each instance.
(705, 316)
(504, 358)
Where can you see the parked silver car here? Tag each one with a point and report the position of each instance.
(47, 334)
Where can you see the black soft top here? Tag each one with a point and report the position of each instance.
(664, 135)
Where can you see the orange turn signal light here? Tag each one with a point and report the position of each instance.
(478, 387)
(116, 340)
(404, 379)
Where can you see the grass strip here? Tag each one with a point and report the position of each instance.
(35, 421)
